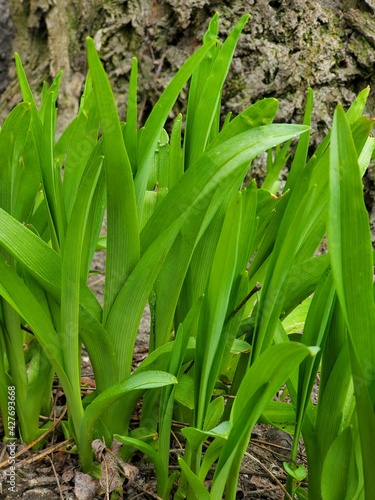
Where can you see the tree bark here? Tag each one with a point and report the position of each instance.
(287, 46)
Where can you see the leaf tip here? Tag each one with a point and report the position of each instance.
(313, 350)
(90, 44)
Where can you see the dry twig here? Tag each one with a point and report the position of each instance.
(271, 475)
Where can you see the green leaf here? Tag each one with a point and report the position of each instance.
(240, 347)
(276, 160)
(184, 393)
(122, 219)
(144, 448)
(18, 295)
(159, 359)
(298, 473)
(295, 321)
(133, 297)
(26, 182)
(39, 259)
(315, 333)
(299, 214)
(336, 404)
(211, 454)
(201, 114)
(196, 485)
(340, 473)
(130, 131)
(14, 290)
(260, 383)
(214, 413)
(177, 264)
(357, 107)
(71, 274)
(301, 494)
(176, 160)
(156, 120)
(51, 176)
(138, 382)
(13, 136)
(206, 184)
(210, 338)
(279, 415)
(298, 289)
(349, 241)
(24, 84)
(219, 169)
(82, 141)
(300, 156)
(45, 266)
(200, 76)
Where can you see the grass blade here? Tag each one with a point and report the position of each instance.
(340, 474)
(201, 115)
(83, 140)
(71, 273)
(133, 297)
(12, 140)
(141, 381)
(227, 162)
(214, 310)
(156, 120)
(122, 219)
(130, 131)
(261, 382)
(350, 248)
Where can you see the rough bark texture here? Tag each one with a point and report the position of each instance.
(287, 46)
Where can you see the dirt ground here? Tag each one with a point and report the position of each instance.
(54, 472)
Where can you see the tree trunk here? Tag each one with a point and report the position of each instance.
(287, 46)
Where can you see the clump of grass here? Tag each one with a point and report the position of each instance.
(181, 231)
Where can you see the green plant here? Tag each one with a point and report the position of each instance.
(340, 320)
(181, 231)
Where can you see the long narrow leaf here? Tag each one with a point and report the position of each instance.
(215, 307)
(156, 121)
(352, 267)
(12, 139)
(259, 385)
(141, 381)
(14, 290)
(130, 132)
(226, 162)
(71, 274)
(199, 124)
(133, 297)
(40, 260)
(122, 219)
(83, 140)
